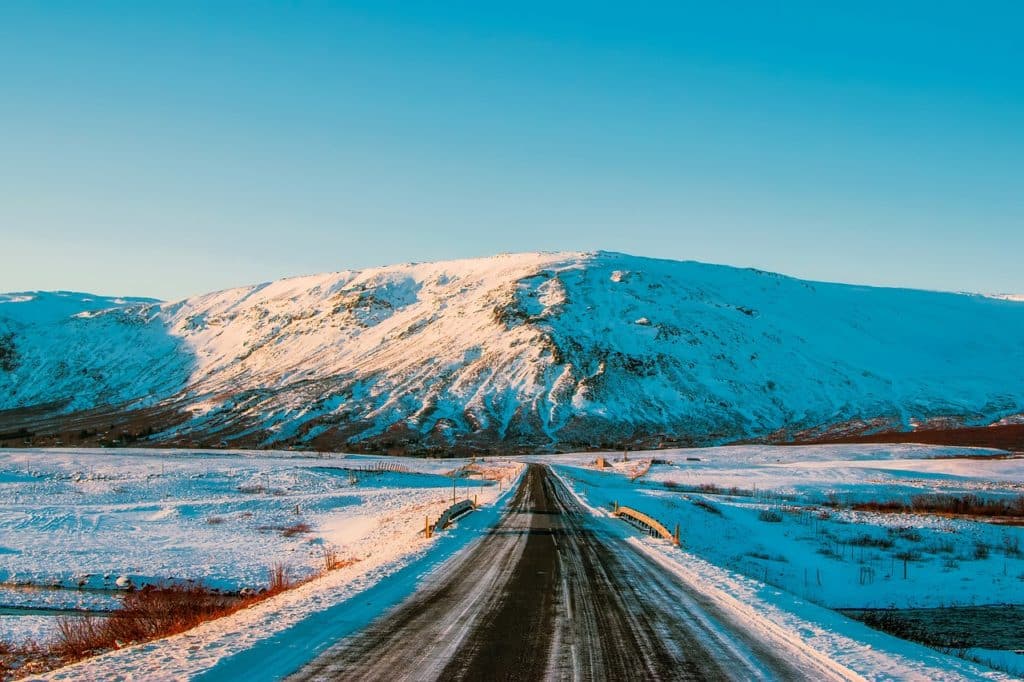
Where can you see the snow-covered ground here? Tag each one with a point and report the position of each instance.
(761, 512)
(94, 516)
(826, 553)
(76, 527)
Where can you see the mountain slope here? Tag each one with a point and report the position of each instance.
(527, 350)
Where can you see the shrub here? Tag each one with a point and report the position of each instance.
(1011, 546)
(296, 529)
(941, 547)
(333, 560)
(152, 612)
(278, 580)
(907, 533)
(866, 540)
(707, 506)
(768, 557)
(770, 515)
(18, 659)
(6, 659)
(966, 505)
(149, 613)
(80, 637)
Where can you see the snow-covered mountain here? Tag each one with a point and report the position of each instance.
(516, 351)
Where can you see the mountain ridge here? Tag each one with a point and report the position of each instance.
(534, 351)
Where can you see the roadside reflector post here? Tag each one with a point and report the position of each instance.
(675, 535)
(474, 501)
(426, 526)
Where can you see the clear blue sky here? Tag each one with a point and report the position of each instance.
(172, 148)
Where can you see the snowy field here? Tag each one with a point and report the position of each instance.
(781, 516)
(765, 530)
(77, 527)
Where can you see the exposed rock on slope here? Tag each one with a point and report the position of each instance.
(516, 351)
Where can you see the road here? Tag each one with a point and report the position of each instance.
(547, 595)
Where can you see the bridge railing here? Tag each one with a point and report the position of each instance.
(645, 522)
(448, 515)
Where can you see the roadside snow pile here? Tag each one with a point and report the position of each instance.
(78, 526)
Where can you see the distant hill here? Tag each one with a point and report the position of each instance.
(536, 351)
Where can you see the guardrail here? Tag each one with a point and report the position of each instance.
(646, 523)
(447, 516)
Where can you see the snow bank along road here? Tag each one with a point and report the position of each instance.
(547, 595)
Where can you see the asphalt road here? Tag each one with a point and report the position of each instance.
(547, 595)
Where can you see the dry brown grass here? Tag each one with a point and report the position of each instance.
(149, 613)
(289, 531)
(24, 658)
(300, 528)
(333, 559)
(153, 612)
(967, 505)
(278, 578)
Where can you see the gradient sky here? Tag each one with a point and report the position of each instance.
(181, 147)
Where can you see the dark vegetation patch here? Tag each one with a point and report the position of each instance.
(707, 506)
(1003, 436)
(866, 540)
(8, 353)
(708, 489)
(967, 504)
(951, 629)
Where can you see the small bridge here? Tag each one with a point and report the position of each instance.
(448, 515)
(646, 523)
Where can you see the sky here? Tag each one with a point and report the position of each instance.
(168, 149)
